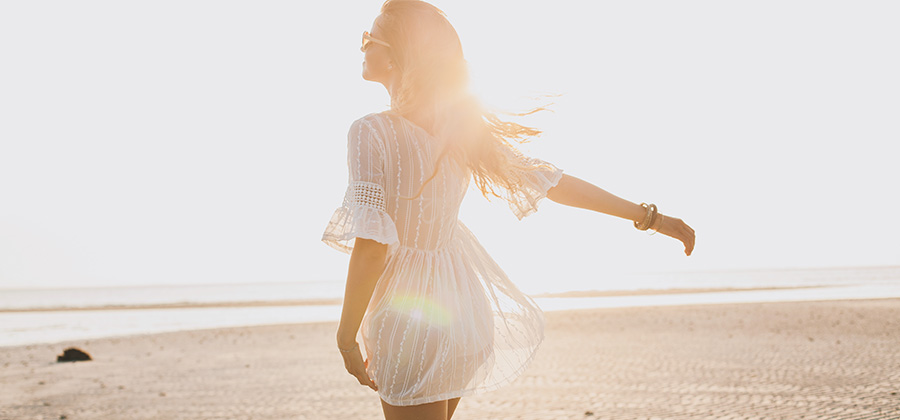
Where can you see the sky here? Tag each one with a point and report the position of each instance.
(198, 142)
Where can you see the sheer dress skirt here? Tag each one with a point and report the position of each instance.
(447, 323)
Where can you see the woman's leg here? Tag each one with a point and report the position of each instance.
(429, 411)
(451, 406)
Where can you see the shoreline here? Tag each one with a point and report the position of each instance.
(829, 359)
(339, 301)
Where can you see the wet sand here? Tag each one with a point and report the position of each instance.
(836, 359)
(338, 301)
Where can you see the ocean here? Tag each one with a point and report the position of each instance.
(30, 316)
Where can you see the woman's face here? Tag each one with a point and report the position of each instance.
(377, 62)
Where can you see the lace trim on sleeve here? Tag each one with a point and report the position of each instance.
(362, 215)
(360, 193)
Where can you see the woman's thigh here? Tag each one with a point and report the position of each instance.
(429, 411)
(451, 406)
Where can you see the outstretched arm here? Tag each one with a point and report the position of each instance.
(575, 192)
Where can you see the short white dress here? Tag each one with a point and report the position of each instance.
(444, 321)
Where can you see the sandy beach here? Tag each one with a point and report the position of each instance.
(835, 359)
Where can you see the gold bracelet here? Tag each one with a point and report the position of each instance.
(350, 349)
(648, 218)
(637, 225)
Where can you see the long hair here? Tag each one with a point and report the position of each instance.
(434, 75)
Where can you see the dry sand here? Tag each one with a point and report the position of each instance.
(837, 360)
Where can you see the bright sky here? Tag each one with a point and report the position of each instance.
(184, 142)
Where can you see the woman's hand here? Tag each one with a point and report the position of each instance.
(354, 364)
(676, 228)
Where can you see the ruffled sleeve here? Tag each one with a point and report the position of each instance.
(362, 213)
(536, 177)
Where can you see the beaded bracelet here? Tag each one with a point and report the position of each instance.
(350, 349)
(648, 218)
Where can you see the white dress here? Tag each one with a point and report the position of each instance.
(444, 321)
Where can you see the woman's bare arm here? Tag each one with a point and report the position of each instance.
(575, 192)
(366, 265)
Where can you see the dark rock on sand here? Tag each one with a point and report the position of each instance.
(73, 354)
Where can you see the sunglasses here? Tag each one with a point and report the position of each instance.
(368, 40)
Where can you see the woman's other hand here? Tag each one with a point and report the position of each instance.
(676, 228)
(354, 364)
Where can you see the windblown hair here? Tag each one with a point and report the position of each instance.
(434, 74)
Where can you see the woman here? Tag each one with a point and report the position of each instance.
(438, 318)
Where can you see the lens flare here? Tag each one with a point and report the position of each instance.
(421, 309)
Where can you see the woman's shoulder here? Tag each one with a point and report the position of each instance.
(373, 127)
(373, 117)
(375, 121)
